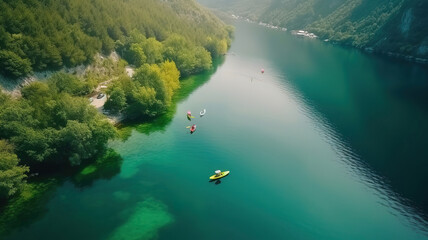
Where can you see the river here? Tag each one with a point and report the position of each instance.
(328, 143)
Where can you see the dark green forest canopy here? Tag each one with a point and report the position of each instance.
(47, 34)
(52, 126)
(398, 26)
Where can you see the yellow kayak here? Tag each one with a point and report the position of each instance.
(222, 174)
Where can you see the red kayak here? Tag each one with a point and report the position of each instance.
(193, 128)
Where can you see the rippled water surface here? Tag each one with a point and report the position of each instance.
(328, 143)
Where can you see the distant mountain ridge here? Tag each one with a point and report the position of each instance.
(394, 27)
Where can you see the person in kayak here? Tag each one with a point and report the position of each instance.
(193, 128)
(189, 116)
(219, 174)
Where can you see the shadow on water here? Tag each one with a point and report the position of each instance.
(216, 181)
(30, 205)
(104, 167)
(187, 86)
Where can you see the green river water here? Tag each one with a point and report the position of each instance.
(329, 143)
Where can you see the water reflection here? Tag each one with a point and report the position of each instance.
(375, 133)
(32, 205)
(105, 167)
(21, 212)
(216, 181)
(367, 176)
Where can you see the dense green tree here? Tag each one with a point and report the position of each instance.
(38, 95)
(188, 58)
(203, 60)
(150, 76)
(137, 55)
(116, 101)
(63, 82)
(144, 103)
(216, 47)
(147, 94)
(153, 50)
(12, 176)
(35, 146)
(170, 76)
(76, 136)
(12, 65)
(126, 84)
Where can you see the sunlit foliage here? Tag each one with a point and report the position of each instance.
(147, 94)
(12, 176)
(37, 35)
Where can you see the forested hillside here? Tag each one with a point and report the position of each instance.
(37, 35)
(394, 26)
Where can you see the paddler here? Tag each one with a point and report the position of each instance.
(193, 128)
(189, 115)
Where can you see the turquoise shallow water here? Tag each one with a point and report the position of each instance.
(328, 143)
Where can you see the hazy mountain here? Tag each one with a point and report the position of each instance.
(398, 26)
